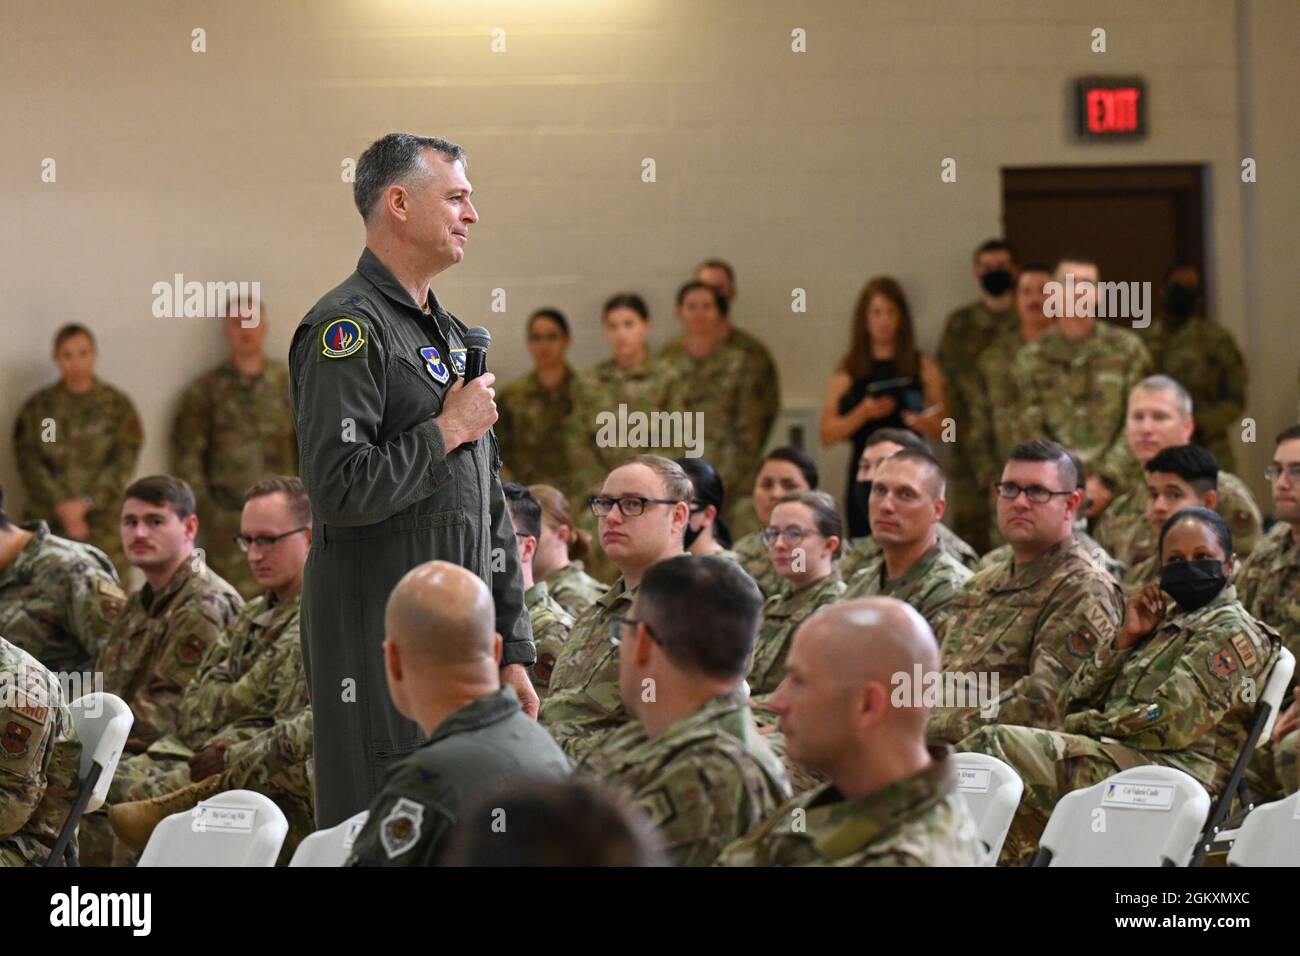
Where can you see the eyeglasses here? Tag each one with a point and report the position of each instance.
(1273, 472)
(792, 535)
(1035, 493)
(617, 624)
(629, 505)
(263, 541)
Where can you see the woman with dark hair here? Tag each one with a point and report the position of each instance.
(534, 411)
(629, 379)
(784, 471)
(560, 549)
(706, 531)
(711, 385)
(1176, 686)
(883, 381)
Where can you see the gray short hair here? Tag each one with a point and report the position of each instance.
(1163, 383)
(391, 159)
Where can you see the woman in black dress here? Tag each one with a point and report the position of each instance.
(881, 382)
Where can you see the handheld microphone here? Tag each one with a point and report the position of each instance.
(477, 341)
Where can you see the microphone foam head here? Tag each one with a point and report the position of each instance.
(477, 338)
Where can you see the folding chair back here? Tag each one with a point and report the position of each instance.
(1144, 816)
(235, 828)
(330, 847)
(103, 722)
(1261, 729)
(1270, 836)
(991, 789)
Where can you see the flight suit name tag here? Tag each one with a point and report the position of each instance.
(1139, 796)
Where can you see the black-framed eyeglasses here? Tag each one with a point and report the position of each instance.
(629, 505)
(263, 541)
(1274, 471)
(1035, 493)
(617, 624)
(791, 535)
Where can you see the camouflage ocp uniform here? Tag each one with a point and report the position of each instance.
(968, 334)
(487, 743)
(278, 762)
(155, 648)
(929, 585)
(96, 442)
(1183, 698)
(782, 615)
(738, 395)
(862, 551)
(551, 625)
(1203, 357)
(229, 434)
(58, 600)
(1269, 584)
(1076, 393)
(707, 780)
(531, 430)
(1033, 626)
(40, 758)
(249, 677)
(920, 820)
(573, 588)
(1114, 568)
(583, 703)
(1123, 529)
(756, 559)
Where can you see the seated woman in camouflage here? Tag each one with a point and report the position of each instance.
(784, 471)
(560, 549)
(1176, 686)
(804, 541)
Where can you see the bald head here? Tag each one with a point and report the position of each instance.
(441, 614)
(868, 640)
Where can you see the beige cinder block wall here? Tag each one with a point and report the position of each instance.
(811, 170)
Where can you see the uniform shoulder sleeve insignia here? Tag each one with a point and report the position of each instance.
(106, 586)
(1081, 642)
(544, 666)
(342, 337)
(1222, 663)
(400, 829)
(15, 740)
(190, 651)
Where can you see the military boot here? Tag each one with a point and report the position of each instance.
(134, 822)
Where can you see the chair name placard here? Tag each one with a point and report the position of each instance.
(973, 780)
(215, 817)
(354, 830)
(1139, 796)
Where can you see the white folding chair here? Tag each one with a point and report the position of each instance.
(1270, 836)
(1215, 837)
(991, 789)
(103, 722)
(1144, 816)
(330, 847)
(235, 828)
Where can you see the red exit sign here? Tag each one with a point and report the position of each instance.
(1108, 108)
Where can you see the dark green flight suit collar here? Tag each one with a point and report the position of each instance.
(484, 712)
(382, 279)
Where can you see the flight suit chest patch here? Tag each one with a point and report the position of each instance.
(458, 360)
(434, 364)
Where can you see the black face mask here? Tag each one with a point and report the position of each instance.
(996, 281)
(1193, 584)
(1180, 300)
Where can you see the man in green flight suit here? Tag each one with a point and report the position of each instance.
(399, 461)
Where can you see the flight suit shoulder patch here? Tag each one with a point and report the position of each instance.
(342, 337)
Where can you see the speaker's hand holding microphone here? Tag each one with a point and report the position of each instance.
(469, 408)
